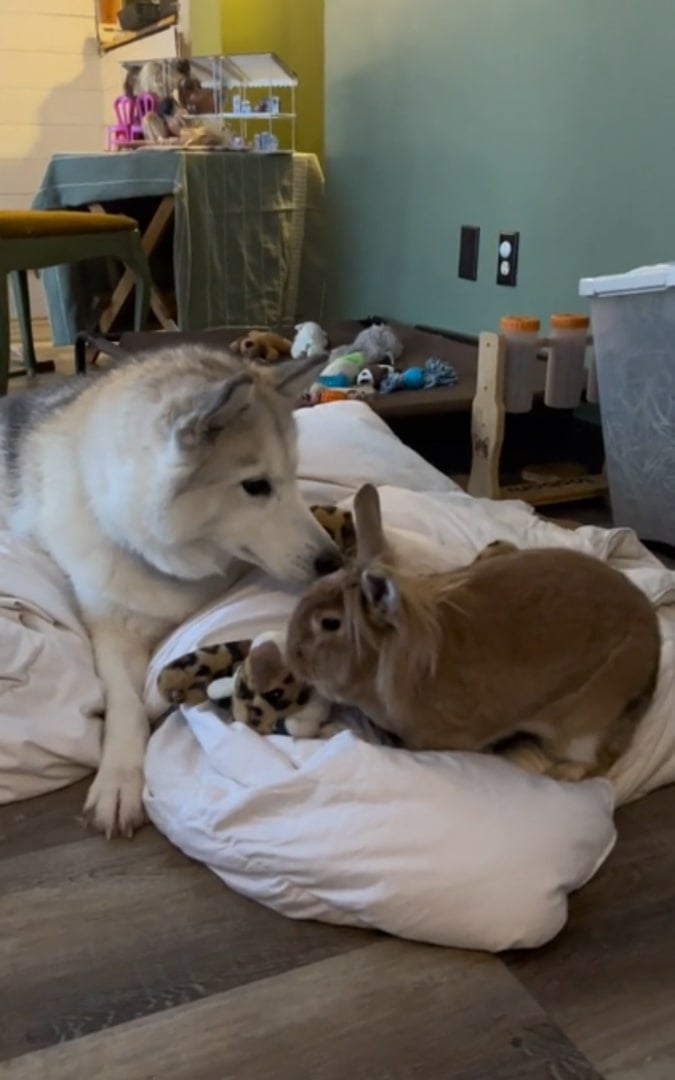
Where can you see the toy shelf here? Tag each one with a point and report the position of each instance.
(110, 36)
(254, 116)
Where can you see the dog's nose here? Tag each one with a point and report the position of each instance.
(327, 563)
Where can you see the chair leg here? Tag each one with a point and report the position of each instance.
(138, 263)
(4, 334)
(22, 300)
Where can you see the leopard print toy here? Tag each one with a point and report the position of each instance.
(261, 693)
(249, 682)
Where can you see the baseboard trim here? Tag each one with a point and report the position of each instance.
(42, 331)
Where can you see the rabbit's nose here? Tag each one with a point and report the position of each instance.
(327, 563)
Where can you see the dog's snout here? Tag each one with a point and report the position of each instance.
(327, 563)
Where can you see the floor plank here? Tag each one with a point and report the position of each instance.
(609, 979)
(392, 1011)
(95, 933)
(34, 824)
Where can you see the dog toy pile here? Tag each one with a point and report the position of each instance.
(367, 365)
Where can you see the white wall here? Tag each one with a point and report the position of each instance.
(50, 85)
(56, 90)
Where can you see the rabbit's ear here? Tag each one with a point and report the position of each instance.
(380, 594)
(370, 542)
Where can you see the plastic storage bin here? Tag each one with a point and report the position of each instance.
(633, 323)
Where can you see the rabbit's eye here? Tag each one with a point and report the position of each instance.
(330, 623)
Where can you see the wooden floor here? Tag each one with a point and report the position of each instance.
(126, 961)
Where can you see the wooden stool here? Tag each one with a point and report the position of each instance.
(33, 239)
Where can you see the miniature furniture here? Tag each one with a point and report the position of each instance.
(31, 240)
(248, 98)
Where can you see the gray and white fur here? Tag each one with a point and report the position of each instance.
(149, 485)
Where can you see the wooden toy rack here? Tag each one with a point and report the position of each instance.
(487, 435)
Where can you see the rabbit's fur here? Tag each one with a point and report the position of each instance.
(547, 646)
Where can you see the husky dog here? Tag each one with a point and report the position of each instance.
(146, 484)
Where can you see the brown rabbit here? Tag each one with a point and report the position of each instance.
(548, 645)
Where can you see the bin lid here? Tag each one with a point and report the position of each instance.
(643, 279)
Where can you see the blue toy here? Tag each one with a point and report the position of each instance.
(435, 372)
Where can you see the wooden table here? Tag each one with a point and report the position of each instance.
(248, 239)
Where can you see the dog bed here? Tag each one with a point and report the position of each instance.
(455, 849)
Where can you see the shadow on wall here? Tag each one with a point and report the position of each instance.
(68, 116)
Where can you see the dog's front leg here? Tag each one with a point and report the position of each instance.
(114, 804)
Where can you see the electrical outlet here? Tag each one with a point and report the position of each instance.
(507, 258)
(469, 240)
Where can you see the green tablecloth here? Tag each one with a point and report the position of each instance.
(248, 245)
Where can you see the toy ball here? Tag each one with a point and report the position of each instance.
(412, 379)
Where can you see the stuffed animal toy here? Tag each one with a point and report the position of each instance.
(309, 340)
(262, 345)
(434, 373)
(339, 374)
(194, 98)
(264, 695)
(373, 375)
(378, 344)
(250, 683)
(185, 681)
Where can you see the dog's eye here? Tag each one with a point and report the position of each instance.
(259, 487)
(330, 623)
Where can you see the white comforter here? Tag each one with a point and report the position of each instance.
(455, 849)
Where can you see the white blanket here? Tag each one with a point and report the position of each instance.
(449, 848)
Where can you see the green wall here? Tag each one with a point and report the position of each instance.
(294, 30)
(552, 117)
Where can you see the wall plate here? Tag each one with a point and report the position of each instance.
(507, 258)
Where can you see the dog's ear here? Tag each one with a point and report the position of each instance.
(380, 594)
(290, 377)
(370, 541)
(212, 410)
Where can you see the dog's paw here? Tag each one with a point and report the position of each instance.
(114, 803)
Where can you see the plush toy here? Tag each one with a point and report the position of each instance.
(341, 372)
(185, 681)
(264, 695)
(194, 98)
(262, 345)
(434, 373)
(373, 375)
(309, 340)
(249, 682)
(377, 344)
